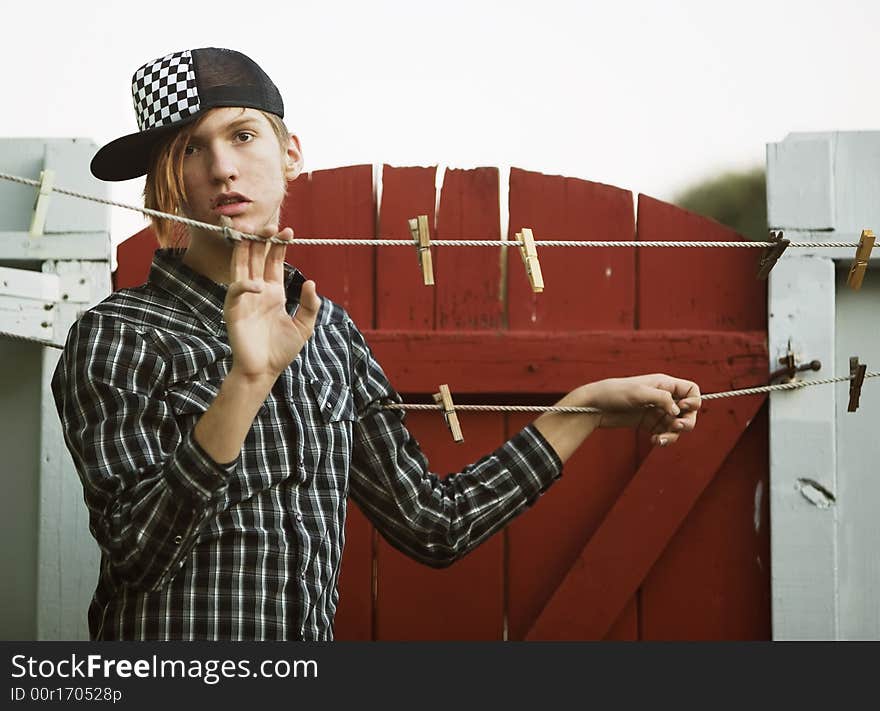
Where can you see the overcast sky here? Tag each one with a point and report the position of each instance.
(649, 96)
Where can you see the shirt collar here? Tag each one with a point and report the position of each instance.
(203, 296)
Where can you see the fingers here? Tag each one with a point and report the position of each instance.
(244, 286)
(659, 398)
(257, 261)
(309, 305)
(664, 440)
(688, 395)
(275, 258)
(675, 424)
(668, 428)
(240, 260)
(260, 260)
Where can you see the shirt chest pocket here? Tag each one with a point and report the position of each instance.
(189, 400)
(329, 436)
(334, 400)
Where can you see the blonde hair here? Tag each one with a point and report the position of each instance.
(164, 189)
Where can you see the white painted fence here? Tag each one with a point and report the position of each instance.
(824, 461)
(48, 557)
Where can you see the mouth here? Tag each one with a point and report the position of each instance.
(230, 204)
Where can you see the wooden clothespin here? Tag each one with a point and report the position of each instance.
(771, 254)
(529, 253)
(857, 377)
(418, 227)
(860, 263)
(41, 205)
(444, 398)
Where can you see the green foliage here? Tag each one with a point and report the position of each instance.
(738, 200)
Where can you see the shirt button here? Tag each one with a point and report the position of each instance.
(299, 517)
(178, 540)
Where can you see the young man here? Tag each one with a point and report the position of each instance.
(220, 415)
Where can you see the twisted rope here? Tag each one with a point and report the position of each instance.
(593, 410)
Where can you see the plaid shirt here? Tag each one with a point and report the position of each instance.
(195, 549)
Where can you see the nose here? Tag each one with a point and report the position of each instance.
(223, 166)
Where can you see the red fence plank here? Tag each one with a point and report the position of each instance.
(133, 258)
(545, 541)
(585, 288)
(464, 601)
(626, 627)
(702, 589)
(468, 278)
(296, 212)
(403, 300)
(336, 203)
(518, 362)
(637, 529)
(711, 288)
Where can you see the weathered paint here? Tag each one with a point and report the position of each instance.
(50, 559)
(824, 187)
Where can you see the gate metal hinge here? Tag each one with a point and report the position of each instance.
(791, 367)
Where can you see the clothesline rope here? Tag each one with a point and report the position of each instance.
(381, 242)
(593, 410)
(545, 408)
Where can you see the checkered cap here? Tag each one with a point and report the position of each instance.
(165, 91)
(175, 90)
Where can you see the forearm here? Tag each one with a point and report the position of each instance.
(149, 529)
(222, 430)
(438, 520)
(565, 432)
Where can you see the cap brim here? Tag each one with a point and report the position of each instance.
(129, 157)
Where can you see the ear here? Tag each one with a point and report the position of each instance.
(293, 161)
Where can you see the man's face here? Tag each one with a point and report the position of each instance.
(233, 165)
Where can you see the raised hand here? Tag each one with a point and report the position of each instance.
(263, 336)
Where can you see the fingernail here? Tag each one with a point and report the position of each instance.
(676, 410)
(662, 441)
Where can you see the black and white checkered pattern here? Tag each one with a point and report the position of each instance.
(165, 91)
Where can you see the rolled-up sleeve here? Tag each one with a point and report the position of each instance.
(148, 486)
(435, 521)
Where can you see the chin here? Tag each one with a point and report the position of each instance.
(245, 223)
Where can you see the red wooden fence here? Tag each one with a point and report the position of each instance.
(632, 542)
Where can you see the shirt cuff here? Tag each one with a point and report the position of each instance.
(193, 471)
(534, 464)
